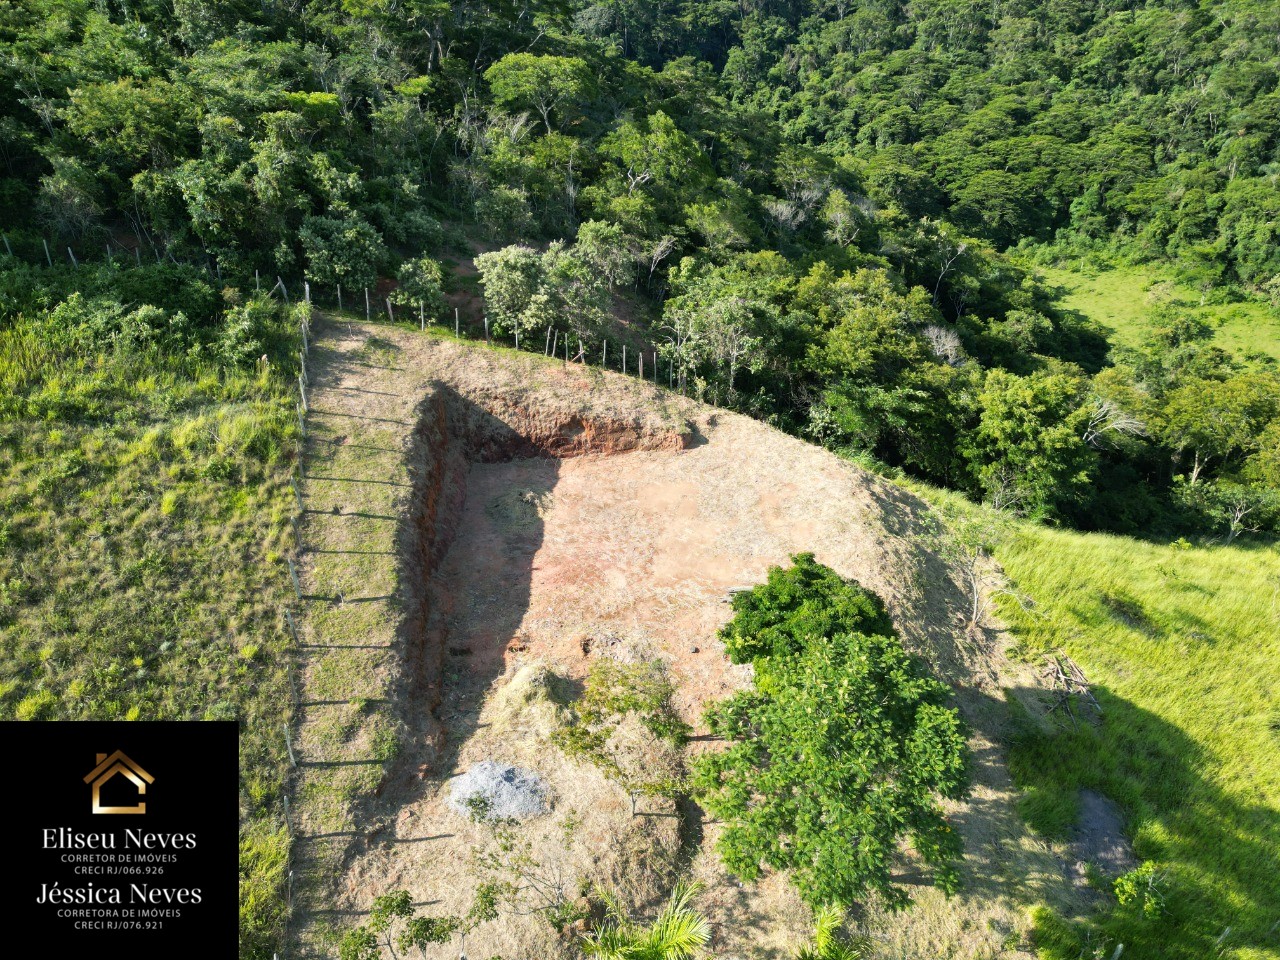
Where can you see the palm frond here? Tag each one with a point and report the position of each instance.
(827, 944)
(826, 925)
(679, 932)
(608, 943)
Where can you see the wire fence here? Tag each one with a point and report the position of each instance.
(290, 622)
(644, 361)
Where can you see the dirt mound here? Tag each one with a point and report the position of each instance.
(499, 792)
(529, 703)
(553, 514)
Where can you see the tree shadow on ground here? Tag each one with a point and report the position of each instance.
(1218, 852)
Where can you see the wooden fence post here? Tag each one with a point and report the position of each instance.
(486, 330)
(297, 494)
(283, 289)
(641, 367)
(604, 357)
(46, 252)
(257, 282)
(293, 575)
(74, 262)
(422, 317)
(390, 313)
(339, 296)
(288, 745)
(546, 350)
(8, 249)
(455, 321)
(367, 315)
(306, 291)
(624, 358)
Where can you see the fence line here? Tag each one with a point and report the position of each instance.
(551, 344)
(295, 694)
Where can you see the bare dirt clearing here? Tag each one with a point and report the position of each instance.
(1099, 837)
(549, 514)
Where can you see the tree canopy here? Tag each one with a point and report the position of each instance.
(842, 748)
(818, 212)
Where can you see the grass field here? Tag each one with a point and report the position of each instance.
(1123, 299)
(1182, 642)
(143, 520)
(1182, 645)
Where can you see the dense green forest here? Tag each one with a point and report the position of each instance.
(821, 213)
(828, 214)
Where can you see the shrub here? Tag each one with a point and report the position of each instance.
(1142, 889)
(393, 923)
(346, 251)
(244, 333)
(421, 282)
(510, 276)
(532, 291)
(617, 699)
(796, 604)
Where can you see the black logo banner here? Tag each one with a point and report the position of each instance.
(124, 836)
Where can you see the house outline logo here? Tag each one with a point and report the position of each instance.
(108, 767)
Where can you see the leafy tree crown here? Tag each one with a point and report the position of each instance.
(796, 604)
(845, 746)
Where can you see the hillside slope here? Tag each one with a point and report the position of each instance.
(480, 523)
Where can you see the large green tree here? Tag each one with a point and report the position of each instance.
(1028, 452)
(1212, 421)
(843, 747)
(548, 84)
